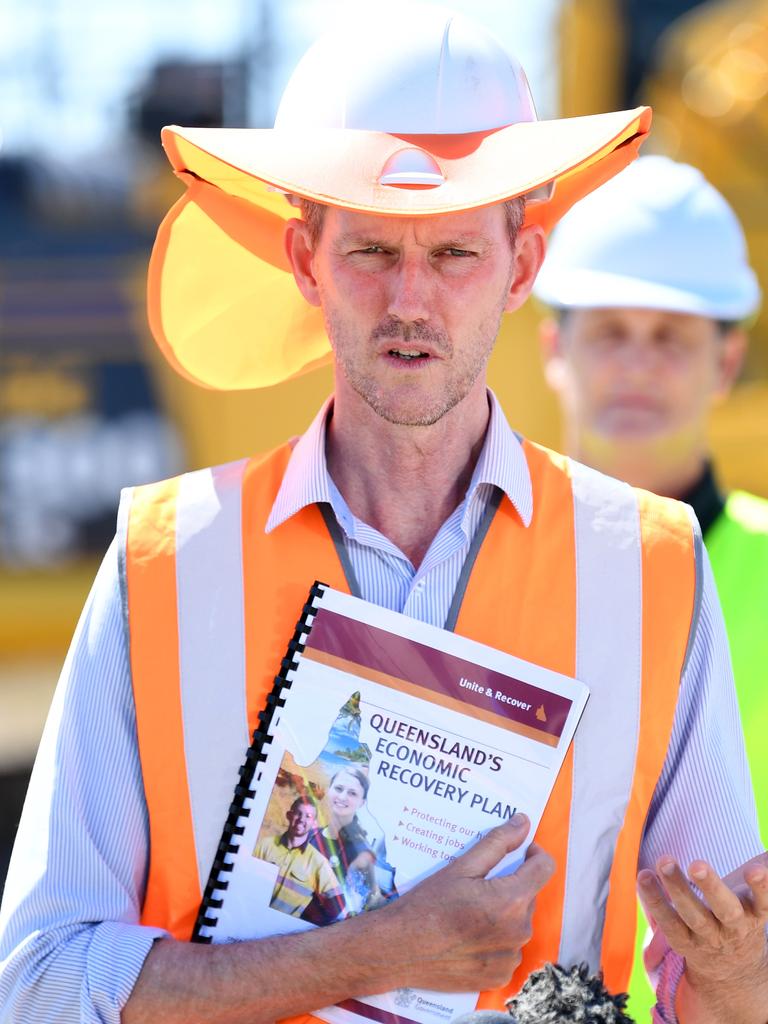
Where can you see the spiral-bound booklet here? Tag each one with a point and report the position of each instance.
(387, 747)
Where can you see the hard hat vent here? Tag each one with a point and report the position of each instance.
(411, 168)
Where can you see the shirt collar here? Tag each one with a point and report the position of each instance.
(283, 840)
(306, 481)
(502, 463)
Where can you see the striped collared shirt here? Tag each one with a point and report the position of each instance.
(385, 575)
(71, 946)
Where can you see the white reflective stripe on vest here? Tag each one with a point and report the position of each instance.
(209, 576)
(608, 660)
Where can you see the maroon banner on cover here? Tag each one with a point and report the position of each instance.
(375, 649)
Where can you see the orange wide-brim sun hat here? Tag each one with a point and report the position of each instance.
(223, 305)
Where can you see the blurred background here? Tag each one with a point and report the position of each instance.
(86, 404)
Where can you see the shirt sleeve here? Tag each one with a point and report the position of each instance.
(71, 946)
(703, 806)
(268, 849)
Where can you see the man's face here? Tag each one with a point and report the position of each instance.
(301, 821)
(630, 376)
(412, 305)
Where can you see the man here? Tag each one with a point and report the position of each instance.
(651, 286)
(306, 885)
(411, 490)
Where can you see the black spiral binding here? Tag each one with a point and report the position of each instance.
(255, 755)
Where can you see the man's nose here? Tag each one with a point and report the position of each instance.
(640, 357)
(410, 290)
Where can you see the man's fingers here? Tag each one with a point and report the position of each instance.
(666, 918)
(750, 881)
(532, 850)
(684, 900)
(736, 878)
(642, 892)
(757, 879)
(535, 871)
(722, 901)
(493, 847)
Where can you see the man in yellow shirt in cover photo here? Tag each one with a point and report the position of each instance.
(305, 878)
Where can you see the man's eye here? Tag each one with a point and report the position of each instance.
(458, 253)
(671, 342)
(609, 335)
(374, 250)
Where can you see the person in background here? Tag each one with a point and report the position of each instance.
(650, 287)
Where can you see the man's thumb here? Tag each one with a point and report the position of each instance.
(493, 847)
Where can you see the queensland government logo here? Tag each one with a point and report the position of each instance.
(405, 997)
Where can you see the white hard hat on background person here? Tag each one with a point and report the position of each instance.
(657, 236)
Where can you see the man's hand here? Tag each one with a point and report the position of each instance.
(455, 931)
(461, 931)
(721, 935)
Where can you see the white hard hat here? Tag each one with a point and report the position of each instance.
(434, 73)
(657, 236)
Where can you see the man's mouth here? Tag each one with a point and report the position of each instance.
(400, 353)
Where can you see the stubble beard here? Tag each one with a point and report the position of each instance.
(422, 408)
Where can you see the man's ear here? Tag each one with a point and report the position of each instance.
(530, 249)
(552, 358)
(299, 250)
(733, 350)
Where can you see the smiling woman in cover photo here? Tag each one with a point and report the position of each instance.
(352, 854)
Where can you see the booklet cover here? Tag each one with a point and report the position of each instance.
(387, 748)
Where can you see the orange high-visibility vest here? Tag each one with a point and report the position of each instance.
(602, 585)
